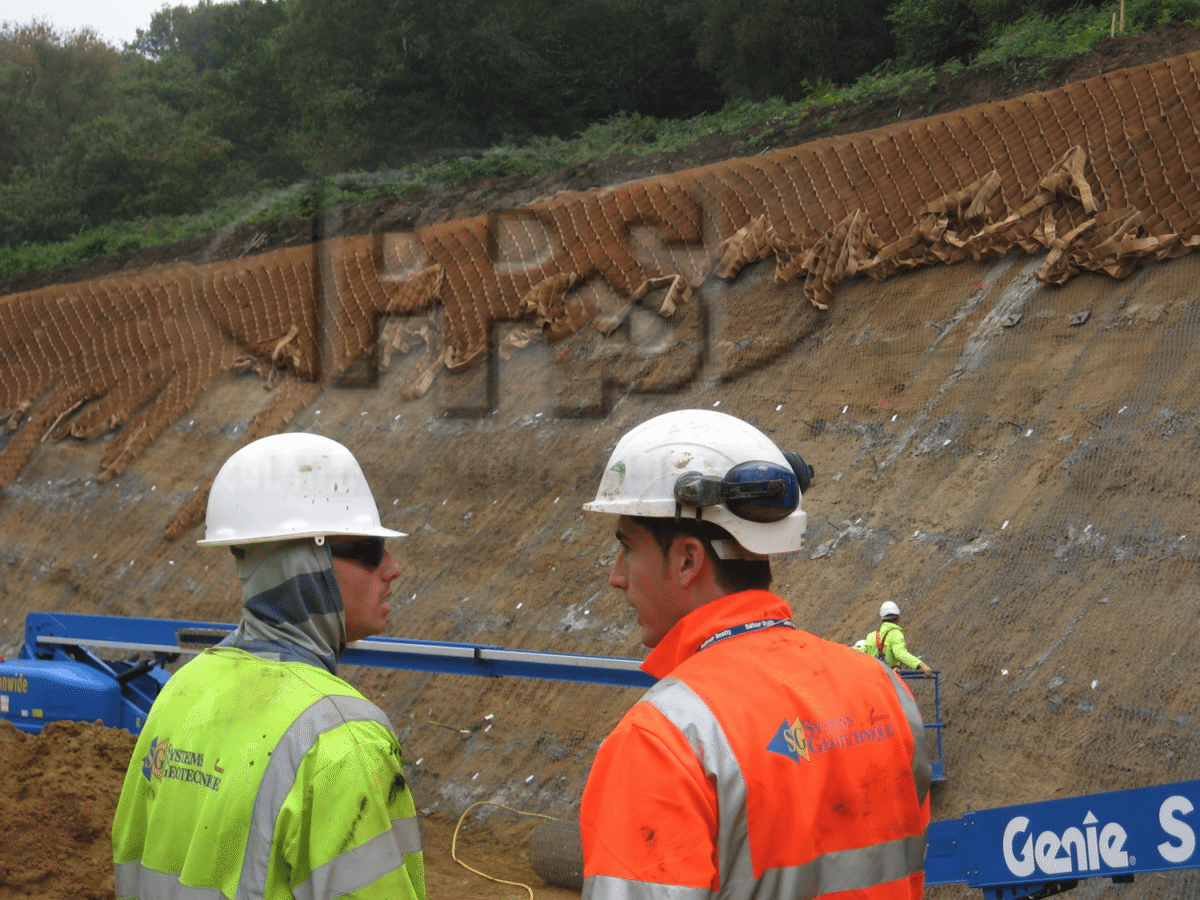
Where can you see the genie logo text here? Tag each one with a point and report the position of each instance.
(1092, 845)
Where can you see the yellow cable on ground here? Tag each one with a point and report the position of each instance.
(454, 842)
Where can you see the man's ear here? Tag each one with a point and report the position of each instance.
(689, 559)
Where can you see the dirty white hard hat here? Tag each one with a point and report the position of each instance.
(291, 486)
(889, 610)
(703, 464)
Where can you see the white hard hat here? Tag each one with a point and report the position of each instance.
(889, 610)
(702, 464)
(860, 644)
(290, 486)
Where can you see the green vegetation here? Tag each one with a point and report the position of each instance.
(258, 109)
(1077, 31)
(634, 134)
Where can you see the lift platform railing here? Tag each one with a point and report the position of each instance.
(935, 727)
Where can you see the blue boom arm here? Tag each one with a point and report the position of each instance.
(121, 693)
(58, 675)
(44, 632)
(1029, 851)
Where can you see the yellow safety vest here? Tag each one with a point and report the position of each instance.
(263, 779)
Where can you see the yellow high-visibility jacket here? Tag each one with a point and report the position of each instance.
(895, 648)
(263, 779)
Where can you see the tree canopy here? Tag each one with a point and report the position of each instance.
(216, 99)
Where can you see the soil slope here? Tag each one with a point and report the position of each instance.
(1013, 463)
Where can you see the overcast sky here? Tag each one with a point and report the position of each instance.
(116, 21)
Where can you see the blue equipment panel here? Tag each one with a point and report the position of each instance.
(1112, 835)
(56, 678)
(31, 696)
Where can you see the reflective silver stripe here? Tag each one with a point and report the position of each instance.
(132, 879)
(828, 873)
(365, 864)
(684, 709)
(324, 715)
(922, 772)
(605, 887)
(408, 834)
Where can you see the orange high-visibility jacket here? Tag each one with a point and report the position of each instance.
(767, 763)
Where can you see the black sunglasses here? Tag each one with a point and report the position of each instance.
(368, 551)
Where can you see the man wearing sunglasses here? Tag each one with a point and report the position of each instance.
(766, 762)
(259, 772)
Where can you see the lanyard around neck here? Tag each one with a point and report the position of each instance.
(735, 630)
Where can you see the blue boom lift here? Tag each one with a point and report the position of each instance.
(1029, 851)
(58, 676)
(1042, 849)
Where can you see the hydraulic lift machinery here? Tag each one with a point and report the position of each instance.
(1028, 851)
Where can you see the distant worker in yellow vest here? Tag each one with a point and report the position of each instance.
(888, 642)
(260, 773)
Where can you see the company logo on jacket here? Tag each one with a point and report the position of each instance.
(164, 761)
(789, 741)
(155, 762)
(801, 738)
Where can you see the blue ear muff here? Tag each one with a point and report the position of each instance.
(757, 491)
(762, 491)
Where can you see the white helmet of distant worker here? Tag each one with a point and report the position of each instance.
(889, 611)
(289, 486)
(709, 466)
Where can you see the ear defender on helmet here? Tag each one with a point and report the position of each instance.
(757, 491)
(804, 472)
(722, 469)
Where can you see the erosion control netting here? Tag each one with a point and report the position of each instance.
(556, 853)
(1011, 459)
(1021, 482)
(1100, 173)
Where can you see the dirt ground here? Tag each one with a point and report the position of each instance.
(1022, 722)
(58, 793)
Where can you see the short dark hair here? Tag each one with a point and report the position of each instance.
(732, 575)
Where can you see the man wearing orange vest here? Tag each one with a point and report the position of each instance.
(766, 762)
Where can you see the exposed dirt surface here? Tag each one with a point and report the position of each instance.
(58, 793)
(1026, 492)
(56, 806)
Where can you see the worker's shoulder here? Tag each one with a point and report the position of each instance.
(293, 683)
(835, 658)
